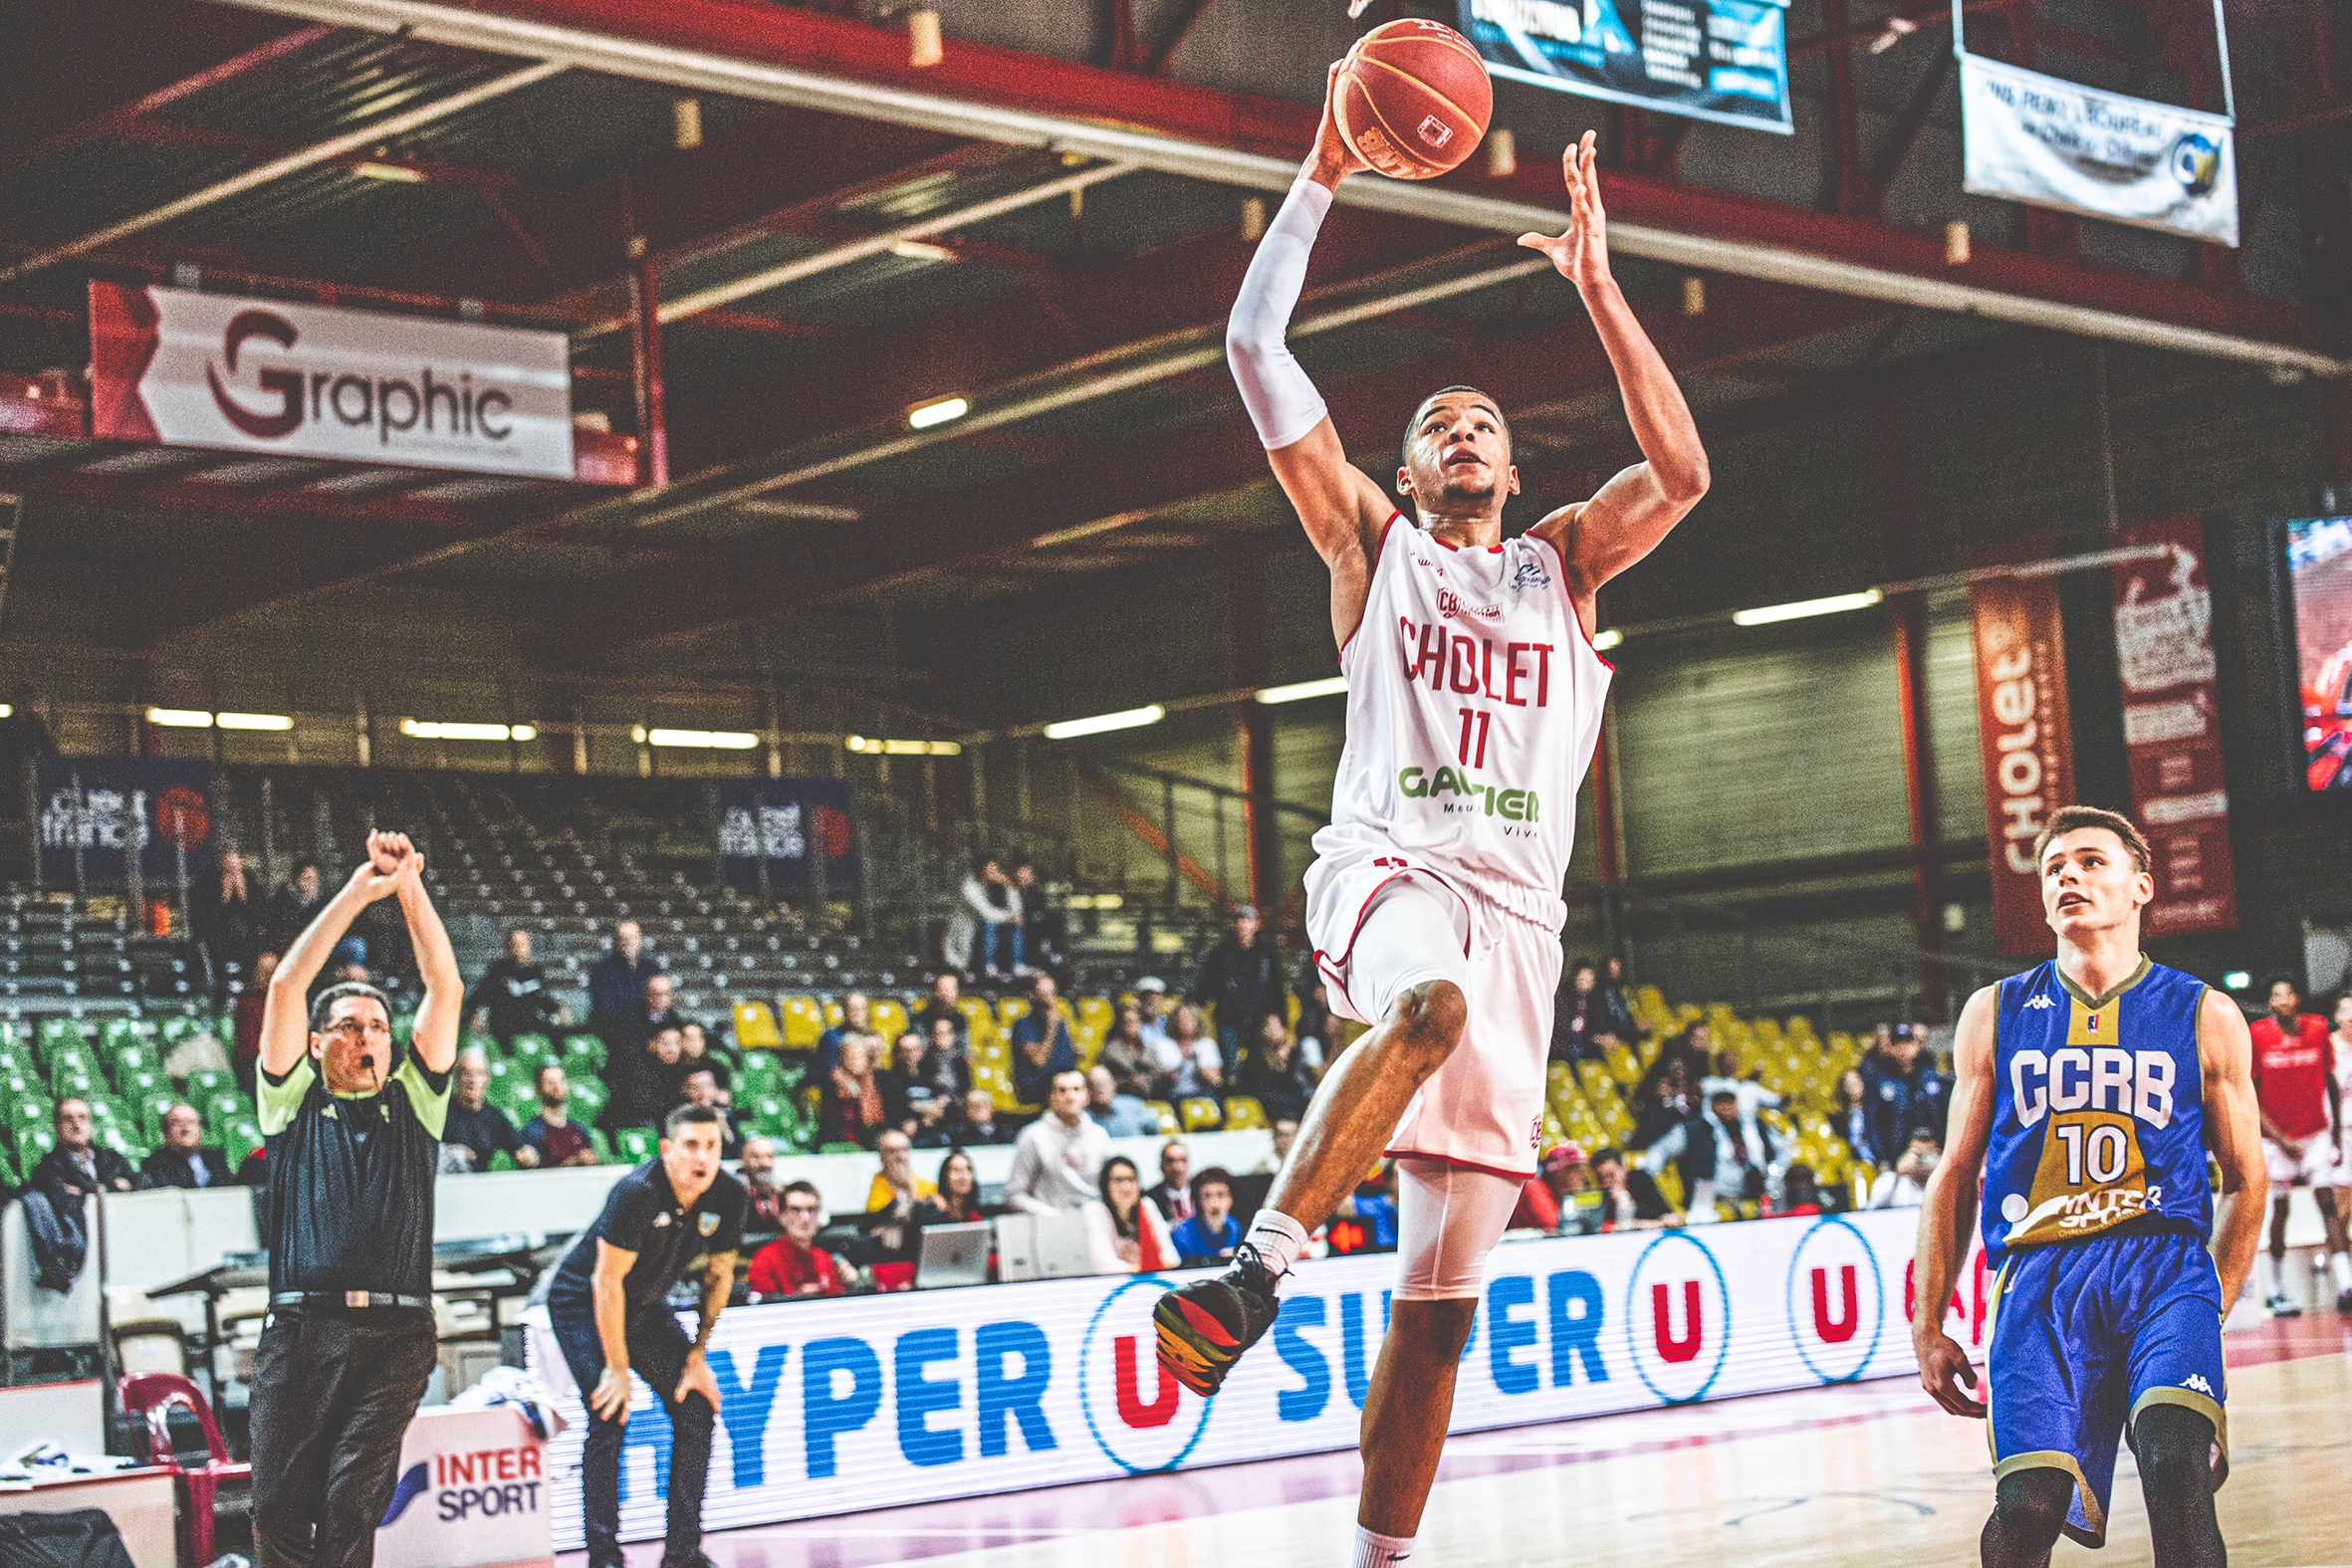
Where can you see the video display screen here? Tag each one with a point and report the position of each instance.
(2319, 571)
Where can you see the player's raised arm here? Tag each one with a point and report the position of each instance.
(1948, 1212)
(2234, 1131)
(1342, 509)
(1635, 510)
(285, 1014)
(434, 1039)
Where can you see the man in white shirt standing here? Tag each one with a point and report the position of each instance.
(1057, 1158)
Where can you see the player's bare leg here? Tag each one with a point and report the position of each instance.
(1204, 1327)
(2279, 1303)
(1407, 1411)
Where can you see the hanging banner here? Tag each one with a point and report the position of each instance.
(1720, 59)
(780, 819)
(2171, 732)
(96, 809)
(307, 380)
(2056, 143)
(828, 1407)
(2025, 740)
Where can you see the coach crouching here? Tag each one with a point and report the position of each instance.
(353, 1147)
(609, 1304)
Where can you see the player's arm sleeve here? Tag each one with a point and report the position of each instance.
(280, 1097)
(428, 1093)
(1282, 402)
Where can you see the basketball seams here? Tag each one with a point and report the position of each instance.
(1469, 121)
(1405, 156)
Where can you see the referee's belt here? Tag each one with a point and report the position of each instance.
(349, 1298)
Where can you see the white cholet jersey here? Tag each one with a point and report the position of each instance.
(1474, 702)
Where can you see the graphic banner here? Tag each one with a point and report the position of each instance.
(2024, 738)
(1720, 59)
(829, 1406)
(100, 806)
(307, 380)
(780, 819)
(2056, 143)
(2172, 729)
(472, 1491)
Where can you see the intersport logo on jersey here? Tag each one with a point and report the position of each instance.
(305, 381)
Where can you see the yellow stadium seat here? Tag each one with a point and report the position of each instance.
(1169, 1125)
(1096, 1014)
(1012, 1011)
(755, 1026)
(835, 1013)
(1242, 1112)
(889, 1016)
(1291, 1010)
(1200, 1113)
(804, 1021)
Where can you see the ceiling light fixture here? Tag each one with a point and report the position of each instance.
(391, 173)
(712, 740)
(1835, 604)
(1126, 719)
(924, 415)
(179, 718)
(1335, 686)
(253, 721)
(439, 730)
(870, 747)
(919, 250)
(1603, 641)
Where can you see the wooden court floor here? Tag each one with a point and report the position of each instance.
(1869, 1474)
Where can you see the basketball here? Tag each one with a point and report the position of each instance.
(1414, 99)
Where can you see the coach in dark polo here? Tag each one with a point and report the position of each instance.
(353, 1151)
(608, 1301)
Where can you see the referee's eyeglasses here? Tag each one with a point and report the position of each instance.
(354, 1029)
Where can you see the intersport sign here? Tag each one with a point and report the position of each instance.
(307, 380)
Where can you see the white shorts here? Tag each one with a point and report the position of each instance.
(1448, 1220)
(1386, 925)
(2316, 1168)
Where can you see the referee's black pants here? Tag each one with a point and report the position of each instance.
(658, 1349)
(332, 1392)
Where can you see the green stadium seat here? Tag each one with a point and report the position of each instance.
(636, 1145)
(225, 1106)
(602, 1144)
(403, 1028)
(840, 1148)
(243, 1137)
(531, 1047)
(54, 1033)
(208, 1081)
(32, 1142)
(500, 1160)
(583, 1047)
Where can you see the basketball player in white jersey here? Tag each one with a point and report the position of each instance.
(1474, 702)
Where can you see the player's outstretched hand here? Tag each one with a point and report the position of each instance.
(697, 1379)
(1333, 155)
(1583, 253)
(379, 877)
(610, 1398)
(1942, 1367)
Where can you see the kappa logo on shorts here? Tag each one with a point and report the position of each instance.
(2196, 1380)
(2041, 1000)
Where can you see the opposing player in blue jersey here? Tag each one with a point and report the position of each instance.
(2088, 1092)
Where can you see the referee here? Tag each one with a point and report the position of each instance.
(607, 1302)
(352, 1152)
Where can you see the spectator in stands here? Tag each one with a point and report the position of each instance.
(1125, 1234)
(1286, 1133)
(1629, 1199)
(618, 983)
(512, 997)
(700, 1087)
(1902, 1090)
(55, 1188)
(1664, 1100)
(1578, 1024)
(1720, 1158)
(1801, 1192)
(1616, 1011)
(1906, 1185)
(1852, 1116)
(978, 1126)
(1119, 1115)
(553, 1137)
(757, 1172)
(246, 1047)
(1173, 1196)
(1242, 980)
(24, 740)
(858, 1022)
(793, 1265)
(1212, 1233)
(1045, 930)
(1191, 1062)
(474, 1125)
(895, 1186)
(1752, 1095)
(1314, 1025)
(1132, 1069)
(989, 920)
(1057, 1158)
(946, 993)
(852, 1107)
(697, 1049)
(956, 1200)
(226, 918)
(293, 907)
(1275, 1073)
(645, 1081)
(1151, 1000)
(183, 1161)
(931, 1081)
(661, 1006)
(1551, 1192)
(1041, 1047)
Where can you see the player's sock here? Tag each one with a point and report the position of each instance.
(2266, 1274)
(2340, 1266)
(1374, 1550)
(1279, 1240)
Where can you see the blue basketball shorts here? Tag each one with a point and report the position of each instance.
(2086, 1336)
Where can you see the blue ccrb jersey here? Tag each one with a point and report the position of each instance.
(2098, 1109)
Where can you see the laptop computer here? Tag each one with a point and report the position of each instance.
(953, 1254)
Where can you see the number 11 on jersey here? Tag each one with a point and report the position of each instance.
(1475, 720)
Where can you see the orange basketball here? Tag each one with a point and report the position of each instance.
(1413, 98)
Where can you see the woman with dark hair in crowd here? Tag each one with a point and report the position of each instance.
(1852, 1117)
(1665, 1099)
(1130, 1058)
(958, 1199)
(1127, 1234)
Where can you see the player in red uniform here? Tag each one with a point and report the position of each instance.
(2302, 1119)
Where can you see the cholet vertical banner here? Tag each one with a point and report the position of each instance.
(2172, 729)
(2025, 740)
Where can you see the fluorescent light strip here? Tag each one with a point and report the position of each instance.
(709, 740)
(253, 721)
(1603, 641)
(441, 730)
(389, 171)
(1335, 686)
(179, 718)
(1128, 718)
(1835, 604)
(938, 413)
(870, 747)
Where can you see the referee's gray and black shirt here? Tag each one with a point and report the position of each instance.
(350, 1195)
